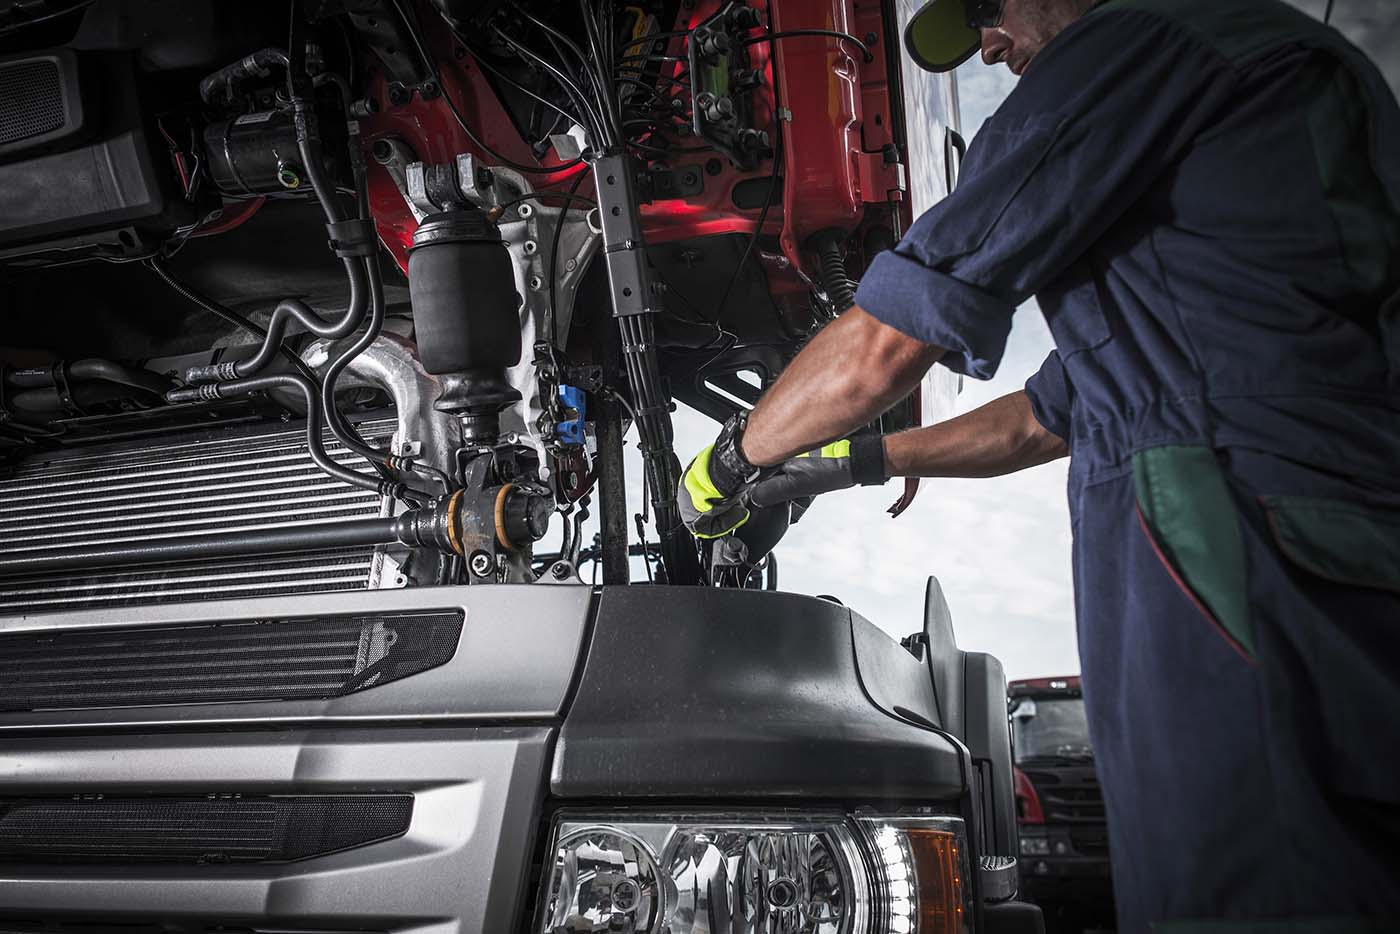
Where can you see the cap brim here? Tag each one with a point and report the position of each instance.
(938, 37)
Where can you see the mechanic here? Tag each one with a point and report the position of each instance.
(1204, 195)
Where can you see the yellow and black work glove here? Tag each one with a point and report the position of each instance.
(858, 461)
(712, 490)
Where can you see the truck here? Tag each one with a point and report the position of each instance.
(321, 609)
(1059, 806)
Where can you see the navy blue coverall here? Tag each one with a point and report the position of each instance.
(1204, 195)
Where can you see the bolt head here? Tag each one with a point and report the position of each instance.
(571, 265)
(481, 564)
(536, 283)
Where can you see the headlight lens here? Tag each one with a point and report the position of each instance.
(754, 874)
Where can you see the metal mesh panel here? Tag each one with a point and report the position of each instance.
(154, 489)
(308, 658)
(33, 100)
(210, 829)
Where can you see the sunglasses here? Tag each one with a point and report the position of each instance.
(984, 14)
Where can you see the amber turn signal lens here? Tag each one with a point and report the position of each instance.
(937, 871)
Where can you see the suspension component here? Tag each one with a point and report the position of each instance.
(466, 314)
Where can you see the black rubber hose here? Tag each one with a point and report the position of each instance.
(227, 314)
(91, 369)
(344, 432)
(287, 311)
(840, 288)
(248, 66)
(314, 444)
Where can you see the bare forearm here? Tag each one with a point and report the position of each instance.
(852, 371)
(998, 438)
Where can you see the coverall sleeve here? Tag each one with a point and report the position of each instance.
(1050, 395)
(1101, 112)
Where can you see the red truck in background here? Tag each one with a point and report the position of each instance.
(1059, 806)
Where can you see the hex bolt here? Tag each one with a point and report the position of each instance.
(530, 247)
(525, 209)
(560, 571)
(571, 265)
(536, 283)
(481, 563)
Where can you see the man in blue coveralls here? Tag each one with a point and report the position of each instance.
(1205, 197)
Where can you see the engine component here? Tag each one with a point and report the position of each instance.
(226, 79)
(466, 315)
(453, 525)
(69, 187)
(724, 84)
(257, 153)
(230, 481)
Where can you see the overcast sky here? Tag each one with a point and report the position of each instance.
(1000, 547)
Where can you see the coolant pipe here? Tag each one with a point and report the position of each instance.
(315, 446)
(230, 76)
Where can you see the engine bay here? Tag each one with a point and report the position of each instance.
(333, 294)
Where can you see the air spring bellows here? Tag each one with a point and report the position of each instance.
(466, 313)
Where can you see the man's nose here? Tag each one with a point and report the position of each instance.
(995, 46)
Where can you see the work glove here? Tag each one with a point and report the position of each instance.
(713, 487)
(858, 461)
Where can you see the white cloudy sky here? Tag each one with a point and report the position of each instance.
(1000, 547)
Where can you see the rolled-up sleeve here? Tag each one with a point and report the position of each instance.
(1050, 395)
(1101, 113)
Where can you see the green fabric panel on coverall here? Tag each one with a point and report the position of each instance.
(1347, 543)
(1183, 497)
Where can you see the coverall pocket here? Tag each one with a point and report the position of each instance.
(1017, 152)
(1190, 518)
(1344, 542)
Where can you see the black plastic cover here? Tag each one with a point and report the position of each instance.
(711, 693)
(110, 191)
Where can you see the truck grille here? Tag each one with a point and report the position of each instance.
(311, 658)
(167, 488)
(195, 829)
(1069, 795)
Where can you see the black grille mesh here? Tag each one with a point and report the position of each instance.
(32, 93)
(287, 659)
(210, 829)
(60, 926)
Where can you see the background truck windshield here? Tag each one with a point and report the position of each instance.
(1051, 728)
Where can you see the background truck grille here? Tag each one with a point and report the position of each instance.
(205, 829)
(167, 488)
(317, 657)
(1069, 795)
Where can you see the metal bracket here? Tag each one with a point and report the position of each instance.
(623, 246)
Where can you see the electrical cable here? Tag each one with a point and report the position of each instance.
(14, 27)
(1327, 16)
(476, 141)
(551, 328)
(829, 33)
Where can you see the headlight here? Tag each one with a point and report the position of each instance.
(758, 873)
(1035, 846)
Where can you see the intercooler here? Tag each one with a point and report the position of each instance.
(215, 482)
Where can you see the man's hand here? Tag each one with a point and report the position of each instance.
(711, 494)
(836, 466)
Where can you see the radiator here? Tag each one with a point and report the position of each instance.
(164, 488)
